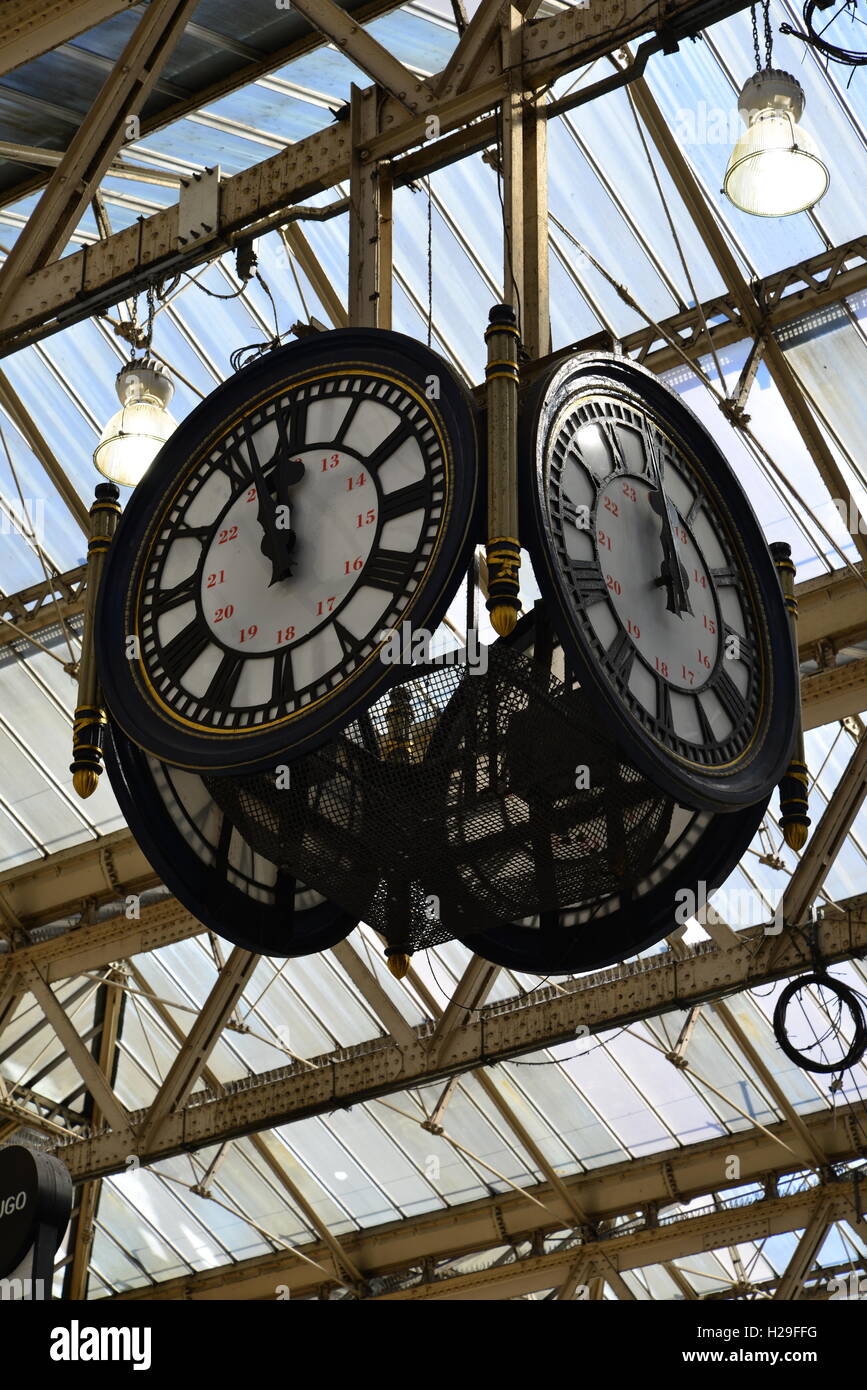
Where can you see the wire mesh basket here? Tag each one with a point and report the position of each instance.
(465, 797)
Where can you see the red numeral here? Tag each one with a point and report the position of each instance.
(613, 584)
(331, 462)
(699, 578)
(214, 579)
(633, 628)
(709, 623)
(611, 506)
(680, 533)
(325, 605)
(251, 495)
(367, 519)
(687, 675)
(604, 540)
(350, 565)
(286, 634)
(629, 491)
(355, 482)
(222, 613)
(228, 535)
(248, 632)
(703, 660)
(662, 667)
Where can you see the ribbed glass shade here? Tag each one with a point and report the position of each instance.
(131, 441)
(775, 169)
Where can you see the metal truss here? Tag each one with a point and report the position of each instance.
(34, 27)
(551, 1015)
(631, 1218)
(90, 280)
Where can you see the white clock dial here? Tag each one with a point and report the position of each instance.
(290, 551)
(654, 578)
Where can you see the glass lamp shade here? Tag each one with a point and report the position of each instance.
(131, 441)
(775, 169)
(135, 434)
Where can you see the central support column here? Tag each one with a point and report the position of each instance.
(370, 196)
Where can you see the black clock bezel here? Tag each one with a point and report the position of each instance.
(752, 776)
(128, 697)
(561, 949)
(216, 902)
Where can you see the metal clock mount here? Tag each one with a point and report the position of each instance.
(286, 782)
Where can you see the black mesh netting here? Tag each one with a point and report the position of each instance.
(461, 799)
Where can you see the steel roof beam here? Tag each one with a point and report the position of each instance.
(363, 49)
(689, 1236)
(84, 282)
(806, 1251)
(833, 694)
(468, 1228)
(497, 1032)
(94, 145)
(110, 1011)
(199, 1043)
(34, 27)
(85, 1063)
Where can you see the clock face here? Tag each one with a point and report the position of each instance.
(668, 599)
(208, 863)
(306, 510)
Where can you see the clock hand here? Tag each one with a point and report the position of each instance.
(672, 574)
(276, 541)
(287, 472)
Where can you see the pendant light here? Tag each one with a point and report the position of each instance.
(135, 434)
(775, 168)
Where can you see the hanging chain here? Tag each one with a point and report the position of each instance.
(769, 38)
(152, 308)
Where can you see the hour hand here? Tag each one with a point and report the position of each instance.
(277, 540)
(672, 574)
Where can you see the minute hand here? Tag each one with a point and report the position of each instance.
(276, 541)
(672, 574)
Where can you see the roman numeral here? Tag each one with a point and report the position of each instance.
(729, 696)
(707, 732)
(620, 655)
(347, 421)
(405, 500)
(389, 445)
(219, 693)
(577, 516)
(663, 702)
(588, 580)
(283, 688)
(184, 532)
(389, 569)
(233, 459)
(743, 645)
(348, 643)
(723, 576)
(697, 504)
(609, 434)
(185, 592)
(185, 648)
(291, 420)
